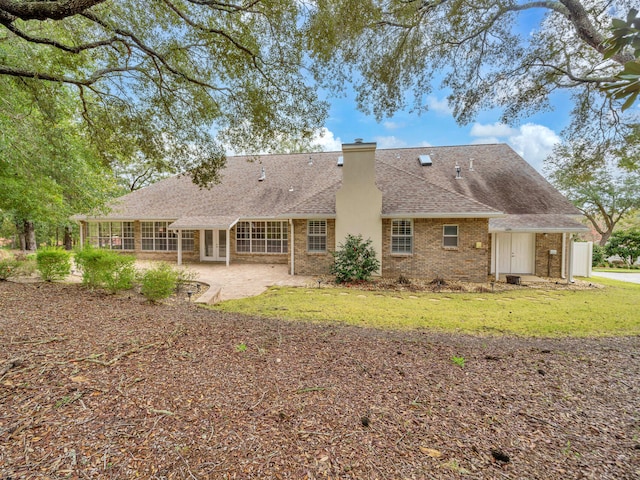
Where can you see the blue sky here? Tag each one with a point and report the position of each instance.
(533, 138)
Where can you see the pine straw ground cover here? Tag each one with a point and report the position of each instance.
(99, 386)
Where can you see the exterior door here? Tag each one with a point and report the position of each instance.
(516, 253)
(214, 245)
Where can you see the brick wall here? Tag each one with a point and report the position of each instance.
(548, 265)
(307, 263)
(431, 260)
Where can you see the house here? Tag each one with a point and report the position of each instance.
(457, 213)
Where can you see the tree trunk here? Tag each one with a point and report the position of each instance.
(605, 237)
(68, 239)
(30, 236)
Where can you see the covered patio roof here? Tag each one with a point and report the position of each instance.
(543, 223)
(214, 222)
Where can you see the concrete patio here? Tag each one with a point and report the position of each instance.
(239, 280)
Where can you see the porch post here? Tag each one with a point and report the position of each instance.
(570, 275)
(563, 267)
(81, 235)
(179, 247)
(497, 257)
(292, 247)
(228, 249)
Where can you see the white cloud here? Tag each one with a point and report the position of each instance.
(493, 130)
(439, 106)
(325, 139)
(389, 142)
(532, 141)
(392, 125)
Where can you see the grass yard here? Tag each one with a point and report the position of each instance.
(608, 311)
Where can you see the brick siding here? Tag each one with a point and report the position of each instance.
(312, 263)
(431, 260)
(548, 265)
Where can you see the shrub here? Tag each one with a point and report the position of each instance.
(625, 244)
(355, 260)
(120, 273)
(106, 268)
(598, 259)
(184, 278)
(53, 263)
(158, 282)
(8, 267)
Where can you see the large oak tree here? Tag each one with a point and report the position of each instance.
(172, 82)
(396, 50)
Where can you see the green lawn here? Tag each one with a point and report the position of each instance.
(609, 311)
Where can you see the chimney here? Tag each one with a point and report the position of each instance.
(359, 201)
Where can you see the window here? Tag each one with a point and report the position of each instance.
(113, 235)
(317, 236)
(402, 236)
(450, 236)
(261, 237)
(157, 236)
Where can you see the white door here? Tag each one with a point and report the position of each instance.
(516, 252)
(213, 246)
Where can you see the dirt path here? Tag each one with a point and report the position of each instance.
(95, 386)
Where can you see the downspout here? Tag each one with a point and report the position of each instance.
(563, 273)
(292, 243)
(228, 249)
(179, 247)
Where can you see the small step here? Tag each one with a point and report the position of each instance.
(211, 296)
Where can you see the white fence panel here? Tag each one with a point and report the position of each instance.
(582, 253)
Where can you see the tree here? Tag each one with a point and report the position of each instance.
(164, 81)
(625, 34)
(625, 244)
(48, 168)
(587, 174)
(392, 47)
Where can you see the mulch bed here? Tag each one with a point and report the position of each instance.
(101, 386)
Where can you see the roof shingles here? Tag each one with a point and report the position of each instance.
(500, 183)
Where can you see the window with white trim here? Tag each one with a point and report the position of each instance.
(450, 236)
(156, 236)
(262, 237)
(113, 235)
(402, 236)
(317, 236)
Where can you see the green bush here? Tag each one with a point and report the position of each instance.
(159, 282)
(106, 268)
(625, 244)
(598, 258)
(8, 268)
(53, 263)
(355, 260)
(185, 278)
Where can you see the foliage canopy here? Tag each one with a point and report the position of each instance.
(479, 52)
(170, 84)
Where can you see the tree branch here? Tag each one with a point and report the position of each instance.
(97, 75)
(44, 10)
(149, 51)
(8, 21)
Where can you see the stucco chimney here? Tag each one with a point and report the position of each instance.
(359, 201)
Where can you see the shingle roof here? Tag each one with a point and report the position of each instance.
(501, 182)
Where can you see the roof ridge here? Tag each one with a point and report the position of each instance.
(466, 197)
